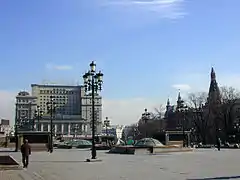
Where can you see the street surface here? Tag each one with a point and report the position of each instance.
(70, 165)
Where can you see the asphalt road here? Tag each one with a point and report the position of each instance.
(70, 165)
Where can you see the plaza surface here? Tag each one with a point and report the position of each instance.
(70, 165)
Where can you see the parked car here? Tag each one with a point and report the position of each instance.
(64, 145)
(236, 146)
(57, 142)
(102, 147)
(122, 150)
(148, 142)
(81, 144)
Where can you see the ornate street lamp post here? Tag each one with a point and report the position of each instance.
(51, 107)
(29, 118)
(193, 135)
(183, 110)
(236, 133)
(23, 123)
(106, 124)
(17, 125)
(75, 128)
(135, 133)
(38, 116)
(93, 83)
(146, 117)
(201, 130)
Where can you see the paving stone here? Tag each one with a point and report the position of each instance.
(71, 165)
(15, 175)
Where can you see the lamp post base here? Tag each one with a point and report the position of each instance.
(93, 160)
(94, 154)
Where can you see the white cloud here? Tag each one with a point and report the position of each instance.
(128, 111)
(7, 105)
(171, 9)
(229, 80)
(59, 67)
(182, 87)
(200, 82)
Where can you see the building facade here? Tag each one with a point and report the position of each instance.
(114, 130)
(86, 112)
(207, 119)
(5, 127)
(24, 111)
(73, 110)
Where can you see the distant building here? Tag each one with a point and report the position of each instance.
(25, 107)
(114, 130)
(73, 109)
(86, 112)
(5, 127)
(213, 127)
(67, 98)
(173, 121)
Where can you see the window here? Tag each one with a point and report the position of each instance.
(139, 143)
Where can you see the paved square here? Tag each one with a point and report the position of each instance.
(70, 165)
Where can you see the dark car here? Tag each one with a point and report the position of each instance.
(81, 144)
(57, 142)
(148, 142)
(64, 145)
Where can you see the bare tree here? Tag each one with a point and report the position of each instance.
(197, 115)
(150, 128)
(158, 112)
(228, 97)
(130, 131)
(229, 94)
(200, 116)
(196, 100)
(154, 122)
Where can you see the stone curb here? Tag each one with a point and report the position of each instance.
(173, 151)
(11, 167)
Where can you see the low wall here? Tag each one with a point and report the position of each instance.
(34, 147)
(164, 149)
(8, 163)
(169, 150)
(179, 143)
(38, 147)
(3, 141)
(7, 160)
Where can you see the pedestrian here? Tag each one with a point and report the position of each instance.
(218, 144)
(26, 151)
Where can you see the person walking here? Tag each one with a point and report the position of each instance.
(218, 144)
(26, 151)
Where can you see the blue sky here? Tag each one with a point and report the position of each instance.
(146, 49)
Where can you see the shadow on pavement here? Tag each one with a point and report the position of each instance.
(58, 161)
(7, 151)
(226, 177)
